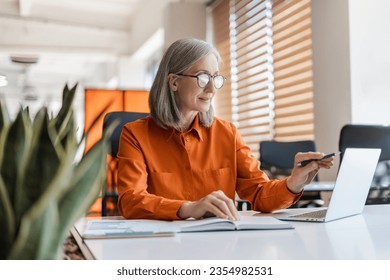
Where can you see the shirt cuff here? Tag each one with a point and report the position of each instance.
(294, 196)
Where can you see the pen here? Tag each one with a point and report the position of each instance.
(306, 162)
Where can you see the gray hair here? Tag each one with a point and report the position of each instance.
(179, 57)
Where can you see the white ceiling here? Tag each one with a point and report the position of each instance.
(114, 14)
(66, 25)
(74, 40)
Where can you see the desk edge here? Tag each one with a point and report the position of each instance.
(83, 247)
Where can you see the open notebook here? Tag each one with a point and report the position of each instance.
(120, 228)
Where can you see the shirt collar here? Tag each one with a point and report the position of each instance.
(196, 128)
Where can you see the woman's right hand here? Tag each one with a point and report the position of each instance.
(215, 204)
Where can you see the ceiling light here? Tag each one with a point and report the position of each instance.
(24, 59)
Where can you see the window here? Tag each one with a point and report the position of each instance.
(221, 31)
(270, 85)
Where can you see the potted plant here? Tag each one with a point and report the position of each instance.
(43, 190)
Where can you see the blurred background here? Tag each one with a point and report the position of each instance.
(99, 44)
(297, 70)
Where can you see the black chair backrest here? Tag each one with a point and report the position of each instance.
(277, 158)
(124, 118)
(277, 161)
(366, 136)
(371, 136)
(282, 154)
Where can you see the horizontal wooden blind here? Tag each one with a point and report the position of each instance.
(271, 69)
(252, 70)
(221, 31)
(293, 86)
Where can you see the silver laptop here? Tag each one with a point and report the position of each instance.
(351, 188)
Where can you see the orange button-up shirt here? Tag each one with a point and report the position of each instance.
(160, 169)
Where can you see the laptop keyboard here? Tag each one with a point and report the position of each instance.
(315, 214)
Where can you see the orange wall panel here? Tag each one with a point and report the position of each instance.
(98, 100)
(136, 101)
(95, 102)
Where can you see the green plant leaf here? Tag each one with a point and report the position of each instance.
(88, 181)
(5, 123)
(66, 132)
(39, 236)
(49, 220)
(2, 121)
(7, 221)
(4, 117)
(16, 144)
(49, 191)
(39, 167)
(65, 116)
(68, 96)
(7, 218)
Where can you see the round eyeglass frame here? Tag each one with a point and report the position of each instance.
(202, 82)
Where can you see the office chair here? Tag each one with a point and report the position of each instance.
(110, 197)
(277, 161)
(371, 136)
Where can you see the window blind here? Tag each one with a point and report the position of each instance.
(252, 89)
(270, 68)
(293, 86)
(221, 33)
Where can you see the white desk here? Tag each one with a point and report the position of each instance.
(365, 236)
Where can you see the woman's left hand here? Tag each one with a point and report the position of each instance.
(301, 176)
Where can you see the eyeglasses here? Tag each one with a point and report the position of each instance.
(204, 79)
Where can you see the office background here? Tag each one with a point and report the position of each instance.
(118, 44)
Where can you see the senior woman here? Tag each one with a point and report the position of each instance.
(183, 162)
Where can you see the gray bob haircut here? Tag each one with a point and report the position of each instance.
(179, 57)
